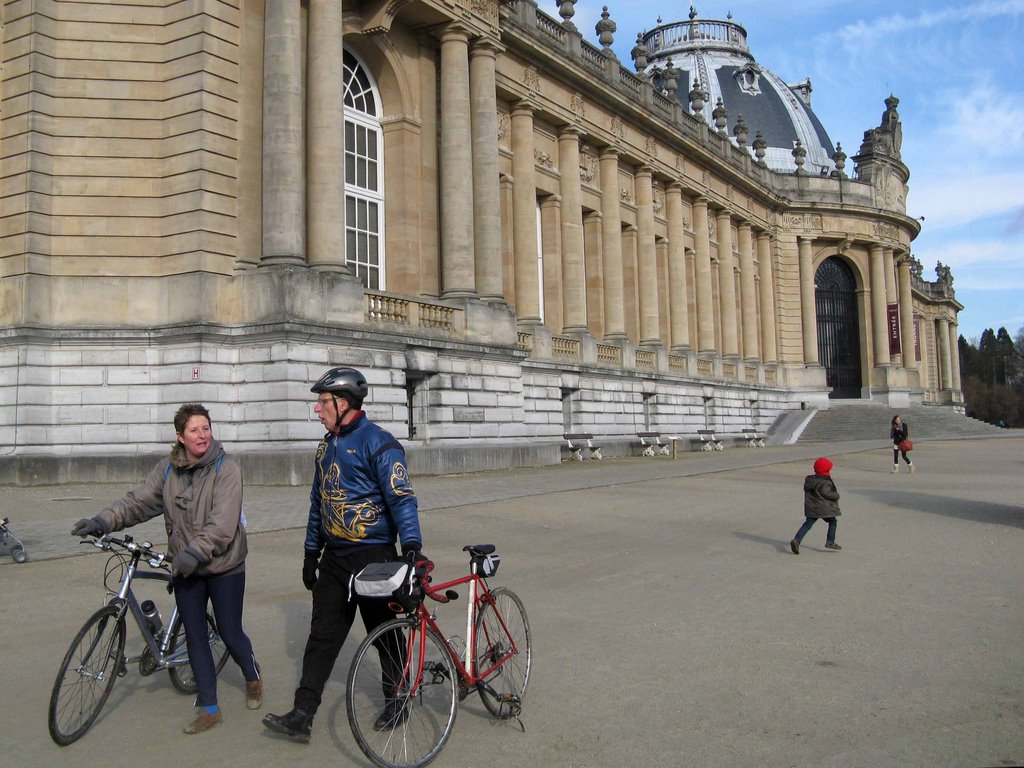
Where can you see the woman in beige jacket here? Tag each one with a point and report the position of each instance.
(198, 490)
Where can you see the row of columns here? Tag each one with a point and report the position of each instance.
(469, 181)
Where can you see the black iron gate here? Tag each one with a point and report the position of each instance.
(835, 301)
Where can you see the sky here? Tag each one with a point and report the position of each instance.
(958, 70)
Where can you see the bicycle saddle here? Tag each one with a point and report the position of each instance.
(478, 549)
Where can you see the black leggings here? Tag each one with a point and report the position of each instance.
(896, 455)
(227, 594)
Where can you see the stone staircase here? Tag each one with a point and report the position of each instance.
(860, 420)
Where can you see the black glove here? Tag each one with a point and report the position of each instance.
(416, 558)
(309, 566)
(88, 526)
(185, 564)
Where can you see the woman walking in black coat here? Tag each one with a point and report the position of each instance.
(899, 432)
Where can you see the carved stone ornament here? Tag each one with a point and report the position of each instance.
(531, 79)
(680, 164)
(626, 194)
(886, 230)
(588, 167)
(802, 221)
(577, 106)
(712, 228)
(706, 179)
(543, 159)
(503, 126)
(658, 199)
(651, 147)
(618, 127)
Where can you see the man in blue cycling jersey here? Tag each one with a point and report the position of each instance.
(361, 500)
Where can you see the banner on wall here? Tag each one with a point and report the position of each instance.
(894, 329)
(917, 338)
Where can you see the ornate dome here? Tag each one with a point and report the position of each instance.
(715, 54)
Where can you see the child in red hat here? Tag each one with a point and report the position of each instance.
(821, 500)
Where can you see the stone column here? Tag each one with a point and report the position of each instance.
(326, 143)
(945, 369)
(702, 277)
(879, 335)
(574, 288)
(906, 314)
(524, 215)
(748, 293)
(486, 175)
(594, 253)
(679, 314)
(727, 285)
(954, 356)
(611, 243)
(647, 258)
(282, 134)
(458, 267)
(769, 353)
(891, 295)
(808, 310)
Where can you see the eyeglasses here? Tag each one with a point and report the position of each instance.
(322, 402)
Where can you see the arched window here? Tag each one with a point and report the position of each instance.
(364, 176)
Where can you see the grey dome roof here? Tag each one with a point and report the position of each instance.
(715, 53)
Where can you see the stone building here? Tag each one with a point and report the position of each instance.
(512, 232)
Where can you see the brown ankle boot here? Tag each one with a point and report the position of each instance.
(254, 690)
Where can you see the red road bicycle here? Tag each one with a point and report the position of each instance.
(407, 677)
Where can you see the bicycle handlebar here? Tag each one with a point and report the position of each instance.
(145, 549)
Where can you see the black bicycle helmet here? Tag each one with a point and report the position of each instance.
(343, 381)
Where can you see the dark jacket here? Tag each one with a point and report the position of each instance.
(361, 492)
(201, 504)
(821, 499)
(899, 433)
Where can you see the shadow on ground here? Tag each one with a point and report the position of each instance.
(962, 509)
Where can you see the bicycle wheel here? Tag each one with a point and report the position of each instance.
(502, 690)
(181, 673)
(393, 728)
(86, 675)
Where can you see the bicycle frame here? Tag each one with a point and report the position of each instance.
(157, 643)
(479, 594)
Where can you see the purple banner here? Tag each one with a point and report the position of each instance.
(894, 329)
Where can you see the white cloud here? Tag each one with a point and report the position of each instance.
(987, 260)
(953, 201)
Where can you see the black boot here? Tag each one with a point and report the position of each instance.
(395, 712)
(298, 724)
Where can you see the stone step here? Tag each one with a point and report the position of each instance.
(866, 421)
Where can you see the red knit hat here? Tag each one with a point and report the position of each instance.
(822, 466)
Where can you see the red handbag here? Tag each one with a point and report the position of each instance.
(905, 445)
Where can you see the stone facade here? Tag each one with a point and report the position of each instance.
(510, 233)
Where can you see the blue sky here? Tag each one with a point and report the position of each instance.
(958, 70)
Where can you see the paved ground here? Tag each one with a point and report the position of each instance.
(672, 626)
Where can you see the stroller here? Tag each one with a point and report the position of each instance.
(11, 542)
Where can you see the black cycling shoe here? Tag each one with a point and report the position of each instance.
(394, 714)
(298, 724)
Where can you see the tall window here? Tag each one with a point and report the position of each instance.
(364, 168)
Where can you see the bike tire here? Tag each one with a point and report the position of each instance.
(418, 735)
(182, 677)
(502, 691)
(86, 675)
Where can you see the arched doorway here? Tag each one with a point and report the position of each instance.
(835, 302)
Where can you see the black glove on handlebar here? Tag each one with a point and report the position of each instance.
(88, 526)
(309, 566)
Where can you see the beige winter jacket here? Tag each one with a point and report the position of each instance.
(201, 504)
